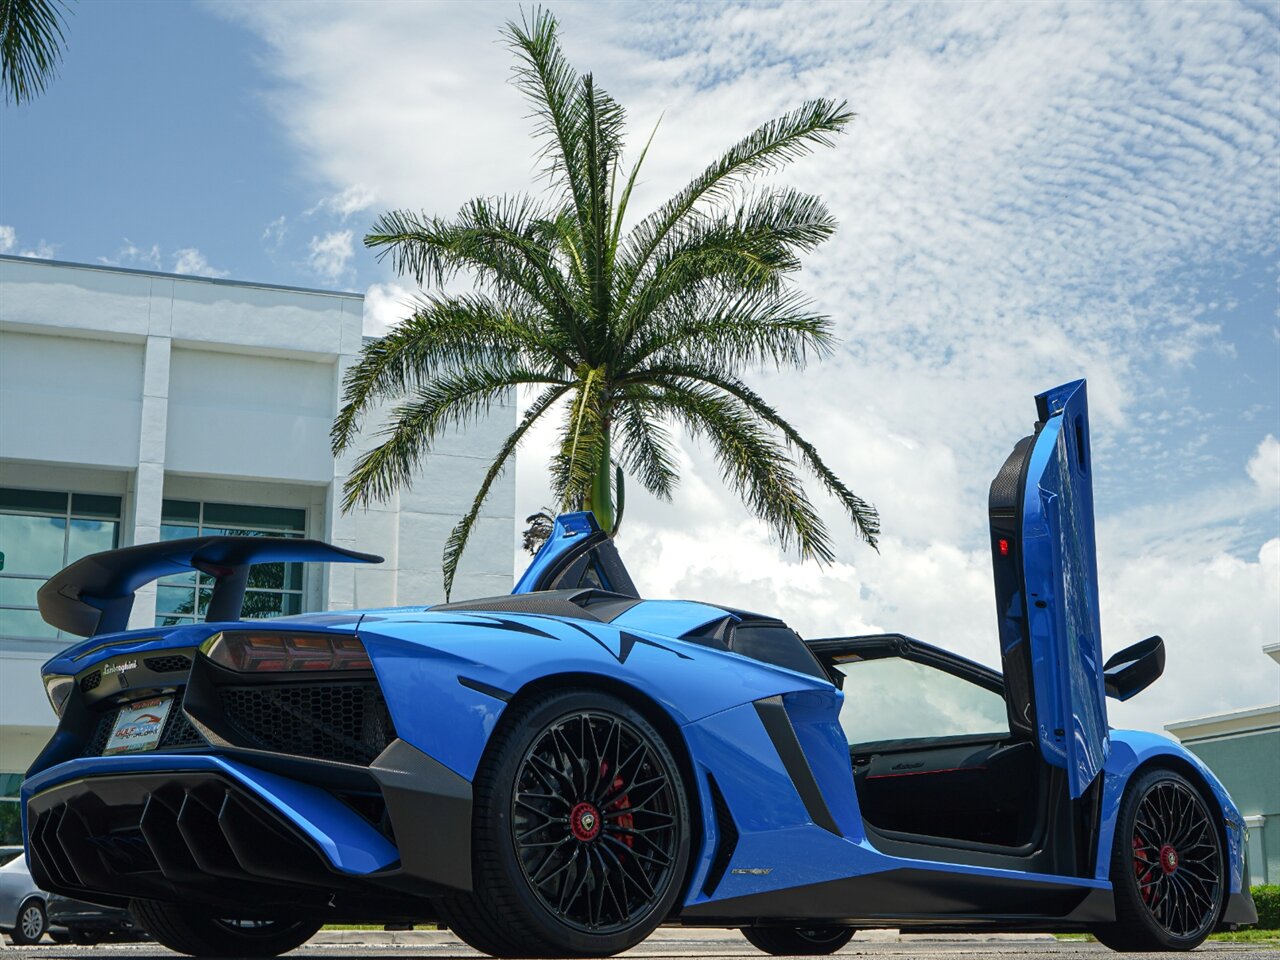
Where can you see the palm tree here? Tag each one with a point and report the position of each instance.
(30, 46)
(620, 334)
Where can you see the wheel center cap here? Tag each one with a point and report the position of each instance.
(1168, 858)
(584, 821)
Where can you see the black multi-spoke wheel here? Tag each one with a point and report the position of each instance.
(581, 831)
(1166, 867)
(594, 816)
(798, 941)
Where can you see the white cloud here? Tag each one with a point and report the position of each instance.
(43, 250)
(8, 238)
(330, 255)
(1030, 193)
(1215, 614)
(1264, 468)
(353, 199)
(385, 305)
(185, 260)
(132, 255)
(274, 233)
(189, 260)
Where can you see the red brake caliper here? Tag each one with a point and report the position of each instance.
(1143, 868)
(626, 821)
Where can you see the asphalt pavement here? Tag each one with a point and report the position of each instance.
(674, 942)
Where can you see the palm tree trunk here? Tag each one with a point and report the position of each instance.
(600, 497)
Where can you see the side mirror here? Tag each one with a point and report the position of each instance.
(1134, 668)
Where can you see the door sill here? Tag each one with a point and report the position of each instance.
(960, 852)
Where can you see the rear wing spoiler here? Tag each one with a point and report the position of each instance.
(95, 594)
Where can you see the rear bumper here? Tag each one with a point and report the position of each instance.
(348, 843)
(181, 826)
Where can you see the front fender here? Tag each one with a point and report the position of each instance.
(1132, 749)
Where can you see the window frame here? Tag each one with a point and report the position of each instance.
(167, 620)
(68, 515)
(834, 651)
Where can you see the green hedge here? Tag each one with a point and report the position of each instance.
(1266, 897)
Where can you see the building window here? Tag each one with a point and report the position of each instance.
(40, 533)
(275, 589)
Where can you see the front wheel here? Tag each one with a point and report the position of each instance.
(580, 835)
(1167, 867)
(798, 941)
(201, 934)
(31, 923)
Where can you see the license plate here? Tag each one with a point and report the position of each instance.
(138, 726)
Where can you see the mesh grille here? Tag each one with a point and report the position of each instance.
(345, 722)
(91, 681)
(178, 732)
(98, 742)
(169, 664)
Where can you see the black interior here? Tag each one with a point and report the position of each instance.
(961, 789)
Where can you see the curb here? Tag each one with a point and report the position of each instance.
(423, 938)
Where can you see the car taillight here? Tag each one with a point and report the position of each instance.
(278, 651)
(58, 688)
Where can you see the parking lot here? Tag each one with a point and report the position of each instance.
(705, 944)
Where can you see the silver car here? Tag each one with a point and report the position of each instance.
(22, 913)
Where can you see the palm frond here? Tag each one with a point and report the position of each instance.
(752, 464)
(620, 211)
(602, 124)
(645, 449)
(551, 85)
(441, 334)
(752, 249)
(31, 42)
(498, 239)
(451, 400)
(769, 147)
(461, 533)
(864, 516)
(744, 328)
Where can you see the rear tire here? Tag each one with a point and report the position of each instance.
(200, 933)
(580, 836)
(30, 924)
(798, 941)
(1166, 867)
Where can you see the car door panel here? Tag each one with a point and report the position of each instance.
(981, 793)
(577, 554)
(1059, 566)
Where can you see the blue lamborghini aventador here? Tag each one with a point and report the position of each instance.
(561, 770)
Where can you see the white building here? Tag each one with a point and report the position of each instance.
(136, 406)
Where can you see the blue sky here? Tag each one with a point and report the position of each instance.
(1030, 193)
